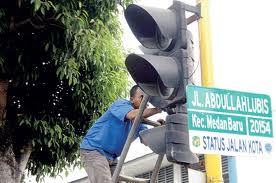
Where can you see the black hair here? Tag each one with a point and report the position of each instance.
(133, 90)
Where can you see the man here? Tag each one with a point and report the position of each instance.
(105, 140)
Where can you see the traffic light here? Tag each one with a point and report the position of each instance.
(177, 139)
(166, 69)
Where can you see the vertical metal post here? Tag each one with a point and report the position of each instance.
(156, 168)
(212, 162)
(232, 169)
(130, 138)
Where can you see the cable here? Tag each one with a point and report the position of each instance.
(193, 71)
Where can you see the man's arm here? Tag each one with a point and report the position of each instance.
(147, 113)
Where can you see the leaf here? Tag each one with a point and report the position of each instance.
(21, 123)
(49, 143)
(51, 3)
(33, 143)
(66, 173)
(37, 4)
(52, 132)
(45, 140)
(58, 16)
(75, 80)
(42, 9)
(54, 48)
(47, 47)
(70, 81)
(64, 139)
(47, 5)
(19, 58)
(59, 135)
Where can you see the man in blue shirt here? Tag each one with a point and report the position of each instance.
(105, 140)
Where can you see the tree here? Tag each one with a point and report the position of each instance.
(61, 65)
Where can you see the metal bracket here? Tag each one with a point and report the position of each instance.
(195, 10)
(192, 9)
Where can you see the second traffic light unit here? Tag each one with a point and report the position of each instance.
(167, 71)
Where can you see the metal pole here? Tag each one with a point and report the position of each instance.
(132, 179)
(156, 168)
(150, 122)
(130, 136)
(212, 162)
(232, 169)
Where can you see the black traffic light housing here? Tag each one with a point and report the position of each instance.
(153, 27)
(166, 72)
(161, 74)
(166, 31)
(177, 139)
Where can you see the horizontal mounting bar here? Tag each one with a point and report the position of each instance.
(192, 9)
(150, 122)
(132, 179)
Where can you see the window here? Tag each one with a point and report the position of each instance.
(165, 175)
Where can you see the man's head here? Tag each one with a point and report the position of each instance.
(136, 96)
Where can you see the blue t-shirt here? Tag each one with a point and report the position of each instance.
(109, 133)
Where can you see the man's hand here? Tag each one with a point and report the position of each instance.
(168, 110)
(159, 110)
(161, 121)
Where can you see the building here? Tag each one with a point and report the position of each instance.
(142, 167)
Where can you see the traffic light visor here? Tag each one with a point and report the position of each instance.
(156, 75)
(153, 27)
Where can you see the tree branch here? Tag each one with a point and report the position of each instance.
(23, 159)
(24, 22)
(56, 25)
(29, 20)
(37, 26)
(19, 2)
(3, 100)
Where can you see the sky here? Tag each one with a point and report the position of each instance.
(243, 41)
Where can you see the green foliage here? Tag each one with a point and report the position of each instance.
(64, 60)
